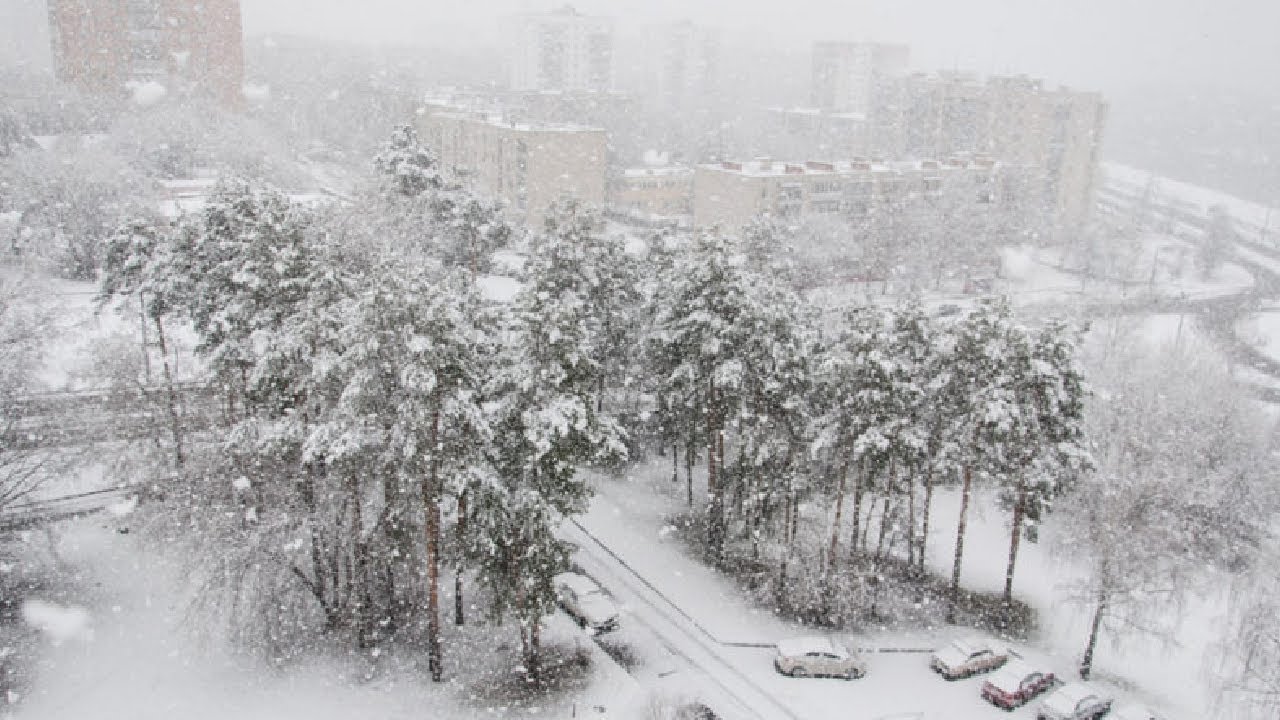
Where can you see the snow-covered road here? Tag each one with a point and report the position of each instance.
(723, 644)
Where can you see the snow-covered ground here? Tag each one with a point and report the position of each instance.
(127, 650)
(1257, 218)
(1262, 330)
(1157, 267)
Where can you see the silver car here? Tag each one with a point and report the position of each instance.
(817, 657)
(585, 602)
(962, 658)
(1074, 701)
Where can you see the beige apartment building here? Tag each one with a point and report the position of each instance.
(528, 166)
(731, 194)
(653, 194)
(1055, 134)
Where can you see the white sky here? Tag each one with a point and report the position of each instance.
(1095, 44)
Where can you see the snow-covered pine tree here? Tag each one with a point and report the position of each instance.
(414, 357)
(545, 423)
(1041, 442)
(726, 339)
(420, 208)
(971, 394)
(407, 164)
(911, 347)
(247, 267)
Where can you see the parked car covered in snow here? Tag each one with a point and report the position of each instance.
(1074, 701)
(1016, 684)
(583, 599)
(962, 658)
(1132, 711)
(817, 657)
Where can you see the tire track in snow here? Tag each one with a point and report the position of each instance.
(745, 693)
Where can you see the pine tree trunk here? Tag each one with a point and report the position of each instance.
(1086, 663)
(1015, 539)
(431, 499)
(884, 527)
(459, 614)
(866, 527)
(715, 513)
(835, 529)
(533, 664)
(795, 515)
(321, 580)
(146, 351)
(358, 575)
(689, 456)
(174, 419)
(960, 527)
(911, 522)
(858, 493)
(926, 511)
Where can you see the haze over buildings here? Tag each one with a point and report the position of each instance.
(560, 50)
(192, 47)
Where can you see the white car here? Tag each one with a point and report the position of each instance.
(1074, 701)
(1132, 711)
(962, 658)
(817, 657)
(583, 599)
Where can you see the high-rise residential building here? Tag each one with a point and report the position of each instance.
(848, 77)
(528, 166)
(685, 59)
(1055, 135)
(560, 50)
(189, 46)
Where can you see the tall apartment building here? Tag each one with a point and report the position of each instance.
(560, 50)
(1056, 135)
(189, 46)
(528, 166)
(685, 60)
(849, 77)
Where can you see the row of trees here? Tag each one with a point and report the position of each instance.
(381, 420)
(885, 407)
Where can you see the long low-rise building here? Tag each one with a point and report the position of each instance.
(731, 194)
(653, 194)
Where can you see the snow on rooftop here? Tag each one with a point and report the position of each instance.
(766, 167)
(792, 647)
(1009, 678)
(669, 171)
